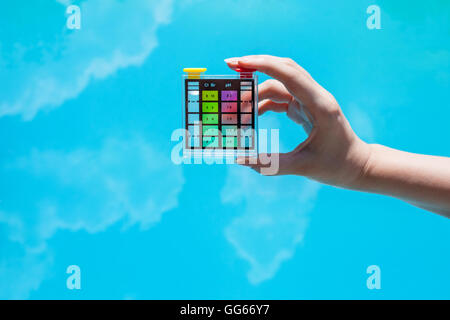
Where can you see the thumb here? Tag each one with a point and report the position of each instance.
(273, 164)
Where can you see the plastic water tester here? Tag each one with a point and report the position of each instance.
(220, 113)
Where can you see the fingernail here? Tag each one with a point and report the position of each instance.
(240, 160)
(231, 60)
(245, 60)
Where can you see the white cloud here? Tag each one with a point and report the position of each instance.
(274, 221)
(21, 269)
(64, 2)
(22, 273)
(114, 35)
(97, 188)
(85, 190)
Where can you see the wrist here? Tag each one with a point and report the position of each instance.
(368, 156)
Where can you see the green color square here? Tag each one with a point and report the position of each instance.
(210, 130)
(210, 95)
(229, 130)
(211, 142)
(210, 107)
(229, 142)
(210, 118)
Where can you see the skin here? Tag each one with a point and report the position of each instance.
(333, 154)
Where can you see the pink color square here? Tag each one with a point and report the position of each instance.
(229, 118)
(229, 106)
(246, 118)
(246, 96)
(246, 106)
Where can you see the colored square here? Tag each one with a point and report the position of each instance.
(246, 131)
(229, 130)
(193, 106)
(230, 95)
(229, 142)
(210, 107)
(211, 142)
(193, 118)
(246, 106)
(194, 142)
(210, 130)
(193, 95)
(229, 118)
(247, 142)
(194, 130)
(195, 84)
(246, 96)
(210, 95)
(246, 118)
(229, 106)
(210, 118)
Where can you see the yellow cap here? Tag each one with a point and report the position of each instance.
(194, 73)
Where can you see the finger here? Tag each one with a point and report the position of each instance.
(233, 63)
(274, 90)
(275, 97)
(269, 105)
(296, 114)
(285, 70)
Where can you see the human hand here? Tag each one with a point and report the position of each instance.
(332, 153)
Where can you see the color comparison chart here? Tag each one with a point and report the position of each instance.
(220, 111)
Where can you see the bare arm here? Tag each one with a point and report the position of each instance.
(422, 180)
(333, 153)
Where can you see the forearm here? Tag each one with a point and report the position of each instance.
(422, 180)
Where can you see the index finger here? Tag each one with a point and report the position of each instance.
(299, 83)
